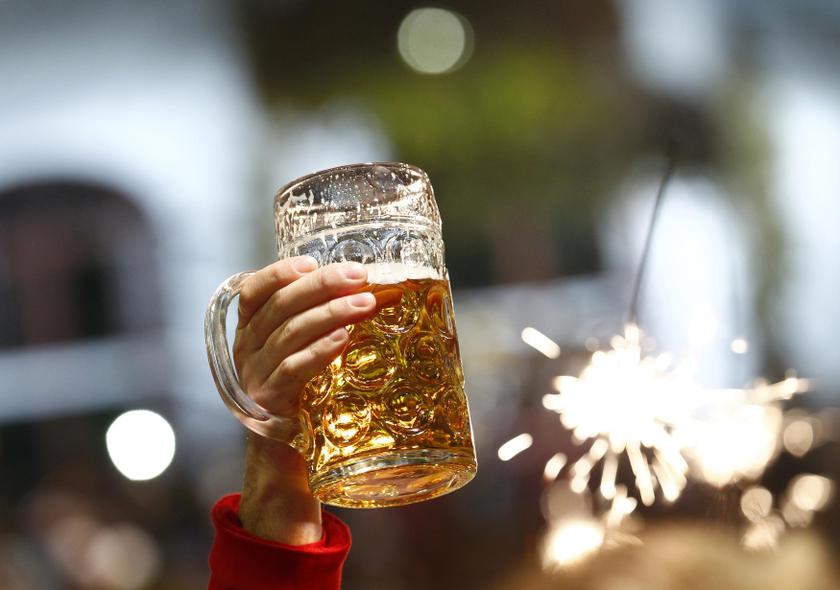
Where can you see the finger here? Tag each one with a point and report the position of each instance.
(310, 325)
(280, 394)
(259, 287)
(310, 290)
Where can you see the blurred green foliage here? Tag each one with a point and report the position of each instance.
(523, 129)
(526, 143)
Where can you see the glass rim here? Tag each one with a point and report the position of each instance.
(287, 188)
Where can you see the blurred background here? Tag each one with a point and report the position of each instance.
(140, 147)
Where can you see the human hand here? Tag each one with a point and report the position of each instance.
(292, 318)
(292, 324)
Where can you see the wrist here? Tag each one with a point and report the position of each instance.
(276, 503)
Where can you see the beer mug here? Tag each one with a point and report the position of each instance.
(387, 422)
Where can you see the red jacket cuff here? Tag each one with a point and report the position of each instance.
(241, 561)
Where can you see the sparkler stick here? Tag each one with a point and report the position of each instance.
(633, 315)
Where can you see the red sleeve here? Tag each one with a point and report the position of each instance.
(241, 561)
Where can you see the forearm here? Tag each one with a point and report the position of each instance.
(240, 560)
(276, 502)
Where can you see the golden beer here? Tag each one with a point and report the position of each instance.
(388, 422)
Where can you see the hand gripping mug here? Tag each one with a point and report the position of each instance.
(387, 422)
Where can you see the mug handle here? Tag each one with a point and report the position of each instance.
(246, 410)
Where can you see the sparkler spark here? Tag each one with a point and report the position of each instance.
(539, 341)
(554, 466)
(514, 446)
(733, 434)
(630, 406)
(570, 541)
(626, 403)
(573, 537)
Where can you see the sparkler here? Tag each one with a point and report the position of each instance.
(629, 405)
(625, 403)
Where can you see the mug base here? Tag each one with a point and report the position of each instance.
(395, 478)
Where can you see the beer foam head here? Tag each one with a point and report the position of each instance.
(387, 273)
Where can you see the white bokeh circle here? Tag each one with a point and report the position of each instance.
(141, 444)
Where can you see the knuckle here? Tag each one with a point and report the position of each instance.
(331, 278)
(243, 316)
(249, 291)
(246, 291)
(285, 370)
(336, 309)
(288, 373)
(244, 371)
(276, 400)
(285, 331)
(279, 271)
(243, 343)
(243, 308)
(317, 350)
(245, 295)
(278, 301)
(238, 347)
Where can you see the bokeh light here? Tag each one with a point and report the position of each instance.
(732, 440)
(124, 557)
(756, 503)
(554, 466)
(569, 541)
(739, 346)
(514, 446)
(811, 492)
(434, 40)
(764, 534)
(798, 437)
(539, 341)
(141, 444)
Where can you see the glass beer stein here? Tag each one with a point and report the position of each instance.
(387, 422)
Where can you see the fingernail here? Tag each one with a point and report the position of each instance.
(362, 299)
(338, 335)
(304, 264)
(353, 270)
